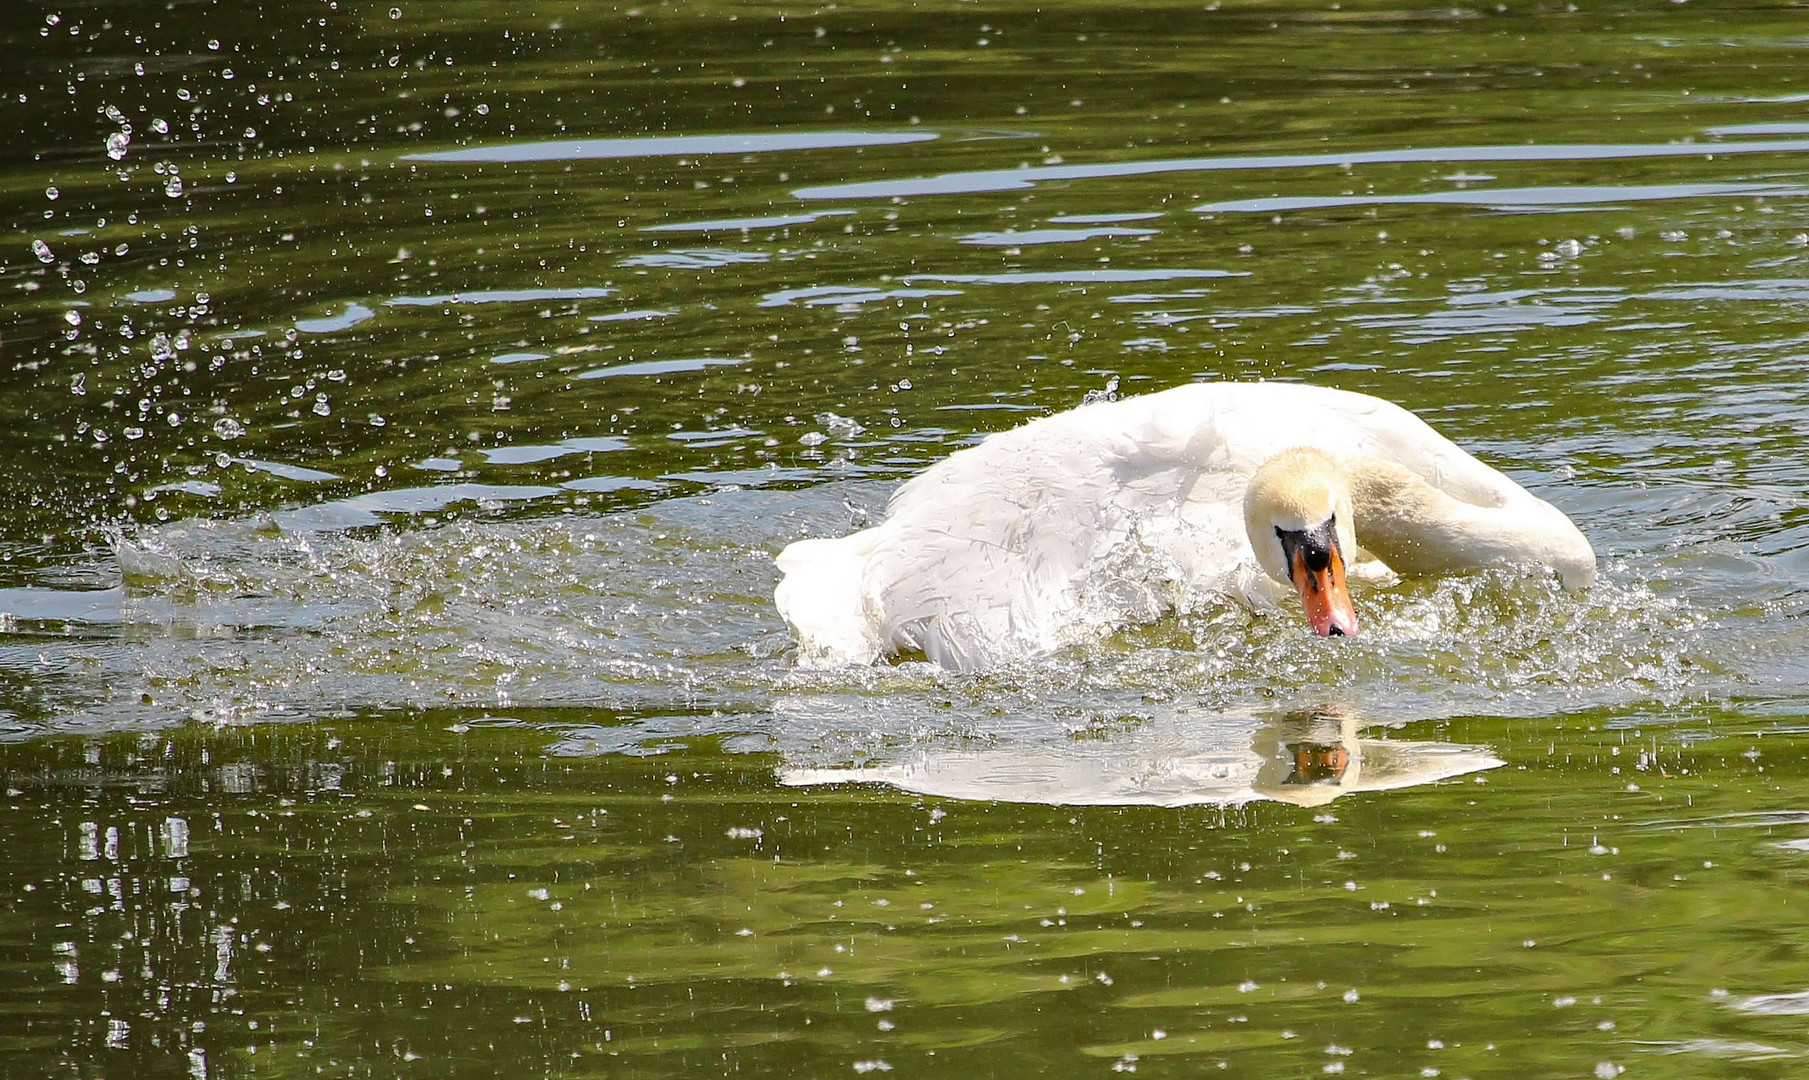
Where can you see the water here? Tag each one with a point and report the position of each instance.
(405, 405)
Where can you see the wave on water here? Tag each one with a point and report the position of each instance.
(666, 611)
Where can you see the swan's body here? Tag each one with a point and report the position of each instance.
(1113, 512)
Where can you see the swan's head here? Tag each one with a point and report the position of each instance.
(1297, 511)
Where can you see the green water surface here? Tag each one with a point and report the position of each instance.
(403, 404)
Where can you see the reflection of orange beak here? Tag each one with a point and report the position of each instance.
(1318, 763)
(1327, 601)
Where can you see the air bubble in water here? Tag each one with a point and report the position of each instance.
(228, 428)
(395, 13)
(160, 126)
(173, 187)
(43, 252)
(116, 145)
(52, 193)
(162, 348)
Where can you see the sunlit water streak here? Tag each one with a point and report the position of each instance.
(1020, 179)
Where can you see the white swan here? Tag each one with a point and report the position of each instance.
(1114, 512)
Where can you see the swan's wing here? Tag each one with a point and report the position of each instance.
(988, 552)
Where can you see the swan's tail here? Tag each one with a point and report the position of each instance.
(820, 595)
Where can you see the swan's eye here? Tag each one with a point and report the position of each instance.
(1313, 547)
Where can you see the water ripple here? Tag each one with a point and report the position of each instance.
(1024, 179)
(675, 146)
(1508, 198)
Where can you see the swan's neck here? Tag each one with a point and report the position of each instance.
(1418, 529)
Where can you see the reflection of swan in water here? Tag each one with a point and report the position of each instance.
(1307, 759)
(1108, 514)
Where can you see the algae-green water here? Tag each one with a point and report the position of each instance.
(403, 405)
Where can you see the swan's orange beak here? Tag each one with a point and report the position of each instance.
(1322, 591)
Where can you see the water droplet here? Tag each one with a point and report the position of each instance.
(52, 193)
(43, 252)
(213, 45)
(72, 317)
(173, 187)
(395, 13)
(840, 427)
(116, 145)
(321, 408)
(483, 110)
(160, 126)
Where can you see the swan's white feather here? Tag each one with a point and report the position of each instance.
(1051, 532)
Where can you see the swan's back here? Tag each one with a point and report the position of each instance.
(1085, 521)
